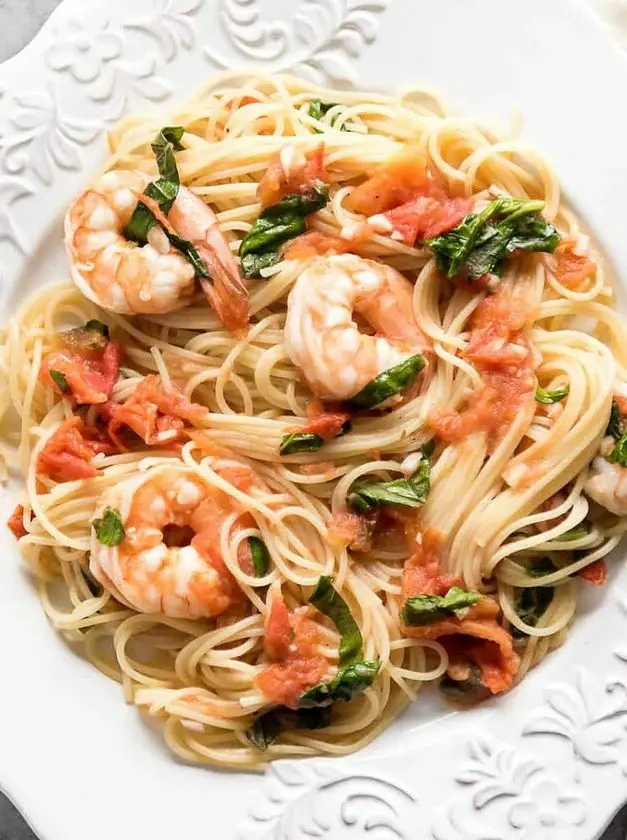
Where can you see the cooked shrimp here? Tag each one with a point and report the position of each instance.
(321, 338)
(607, 485)
(184, 580)
(129, 278)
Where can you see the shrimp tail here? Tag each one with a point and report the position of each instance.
(226, 293)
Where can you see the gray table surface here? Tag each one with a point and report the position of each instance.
(19, 21)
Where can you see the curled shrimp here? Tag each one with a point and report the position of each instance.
(123, 276)
(323, 340)
(607, 485)
(169, 561)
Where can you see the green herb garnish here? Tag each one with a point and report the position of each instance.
(109, 530)
(260, 556)
(615, 423)
(59, 380)
(300, 442)
(164, 191)
(427, 609)
(618, 455)
(388, 384)
(350, 681)
(530, 606)
(482, 241)
(541, 567)
(268, 726)
(472, 688)
(410, 492)
(329, 601)
(577, 533)
(276, 225)
(427, 449)
(548, 397)
(318, 110)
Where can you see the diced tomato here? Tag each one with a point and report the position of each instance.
(156, 415)
(427, 216)
(16, 522)
(315, 244)
(352, 530)
(622, 403)
(493, 347)
(90, 377)
(489, 645)
(292, 644)
(281, 179)
(595, 574)
(501, 309)
(68, 453)
(327, 423)
(571, 269)
(401, 179)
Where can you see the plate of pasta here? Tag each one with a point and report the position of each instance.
(313, 389)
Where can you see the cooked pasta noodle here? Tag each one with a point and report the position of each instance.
(503, 497)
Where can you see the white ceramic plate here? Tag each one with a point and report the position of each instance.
(546, 762)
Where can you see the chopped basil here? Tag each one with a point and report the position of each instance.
(109, 530)
(530, 605)
(329, 601)
(618, 455)
(164, 191)
(615, 423)
(260, 556)
(276, 225)
(389, 383)
(410, 492)
(577, 533)
(541, 567)
(548, 397)
(300, 442)
(482, 241)
(268, 726)
(427, 449)
(471, 688)
(318, 109)
(427, 609)
(60, 381)
(350, 681)
(98, 326)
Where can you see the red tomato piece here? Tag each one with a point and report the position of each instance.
(595, 574)
(16, 522)
(68, 453)
(90, 378)
(427, 216)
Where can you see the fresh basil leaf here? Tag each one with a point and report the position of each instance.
(530, 605)
(541, 567)
(350, 681)
(276, 225)
(60, 381)
(164, 145)
(427, 449)
(260, 556)
(615, 423)
(330, 603)
(318, 110)
(94, 587)
(109, 529)
(480, 243)
(253, 263)
(410, 492)
(427, 609)
(300, 442)
(548, 397)
(389, 383)
(618, 455)
(577, 533)
(268, 726)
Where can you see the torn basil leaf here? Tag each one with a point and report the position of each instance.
(530, 605)
(268, 726)
(427, 609)
(471, 688)
(577, 533)
(618, 455)
(60, 381)
(615, 423)
(541, 567)
(388, 384)
(260, 556)
(547, 397)
(276, 225)
(109, 529)
(350, 681)
(318, 110)
(330, 603)
(164, 191)
(300, 442)
(427, 449)
(482, 241)
(410, 492)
